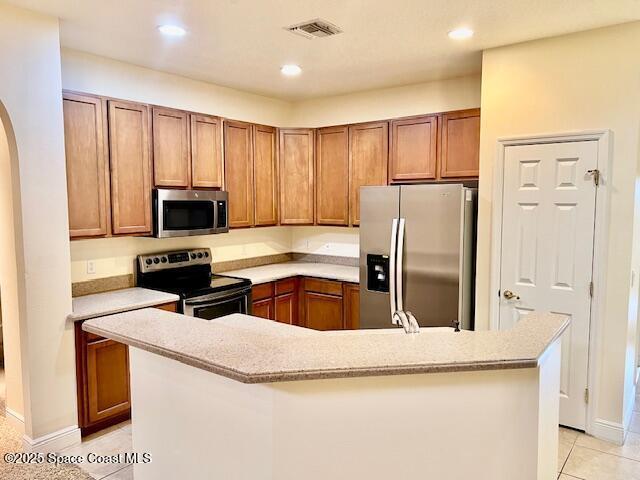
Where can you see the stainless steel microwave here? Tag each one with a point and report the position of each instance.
(182, 213)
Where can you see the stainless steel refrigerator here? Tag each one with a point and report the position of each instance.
(417, 254)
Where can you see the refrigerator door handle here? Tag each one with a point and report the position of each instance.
(399, 267)
(392, 270)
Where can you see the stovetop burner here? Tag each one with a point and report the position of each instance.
(218, 283)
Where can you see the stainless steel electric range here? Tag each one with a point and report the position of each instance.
(188, 273)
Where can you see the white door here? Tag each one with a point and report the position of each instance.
(548, 219)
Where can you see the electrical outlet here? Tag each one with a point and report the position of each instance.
(91, 267)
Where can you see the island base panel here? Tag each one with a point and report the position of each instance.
(485, 425)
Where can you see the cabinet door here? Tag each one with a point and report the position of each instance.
(460, 144)
(413, 149)
(87, 165)
(107, 379)
(263, 309)
(323, 312)
(351, 299)
(265, 175)
(130, 167)
(169, 307)
(171, 157)
(332, 176)
(238, 164)
(368, 158)
(206, 151)
(286, 309)
(296, 177)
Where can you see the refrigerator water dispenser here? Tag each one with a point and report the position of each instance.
(378, 273)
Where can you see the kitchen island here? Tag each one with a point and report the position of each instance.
(245, 398)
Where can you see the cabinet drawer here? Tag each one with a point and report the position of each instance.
(263, 290)
(286, 285)
(328, 287)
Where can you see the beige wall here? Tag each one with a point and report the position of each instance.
(338, 241)
(30, 87)
(588, 80)
(429, 97)
(115, 256)
(93, 74)
(9, 284)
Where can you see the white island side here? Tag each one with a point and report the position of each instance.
(245, 398)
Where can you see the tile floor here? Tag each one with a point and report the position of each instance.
(583, 457)
(113, 440)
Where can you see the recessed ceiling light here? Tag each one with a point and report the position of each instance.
(291, 70)
(461, 33)
(172, 30)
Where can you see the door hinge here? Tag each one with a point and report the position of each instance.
(595, 173)
(586, 395)
(591, 289)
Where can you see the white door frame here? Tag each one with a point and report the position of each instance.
(603, 194)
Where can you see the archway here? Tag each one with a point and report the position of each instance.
(11, 282)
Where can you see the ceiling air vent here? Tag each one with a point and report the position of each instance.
(314, 29)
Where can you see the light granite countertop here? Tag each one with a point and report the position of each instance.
(278, 271)
(117, 301)
(253, 350)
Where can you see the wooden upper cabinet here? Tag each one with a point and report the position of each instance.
(238, 164)
(130, 167)
(296, 177)
(413, 149)
(368, 157)
(332, 176)
(87, 165)
(265, 175)
(206, 151)
(460, 144)
(171, 157)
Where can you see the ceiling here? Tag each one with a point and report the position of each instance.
(242, 43)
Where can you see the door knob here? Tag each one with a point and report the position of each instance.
(508, 294)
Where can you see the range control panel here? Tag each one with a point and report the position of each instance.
(180, 258)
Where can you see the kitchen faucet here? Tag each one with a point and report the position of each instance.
(408, 321)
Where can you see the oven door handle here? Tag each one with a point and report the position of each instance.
(217, 296)
(218, 300)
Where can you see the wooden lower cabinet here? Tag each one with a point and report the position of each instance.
(263, 309)
(322, 312)
(308, 302)
(102, 377)
(107, 379)
(276, 300)
(351, 302)
(286, 308)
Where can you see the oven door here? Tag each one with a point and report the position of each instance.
(180, 213)
(215, 306)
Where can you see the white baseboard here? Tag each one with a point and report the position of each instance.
(609, 431)
(14, 419)
(53, 442)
